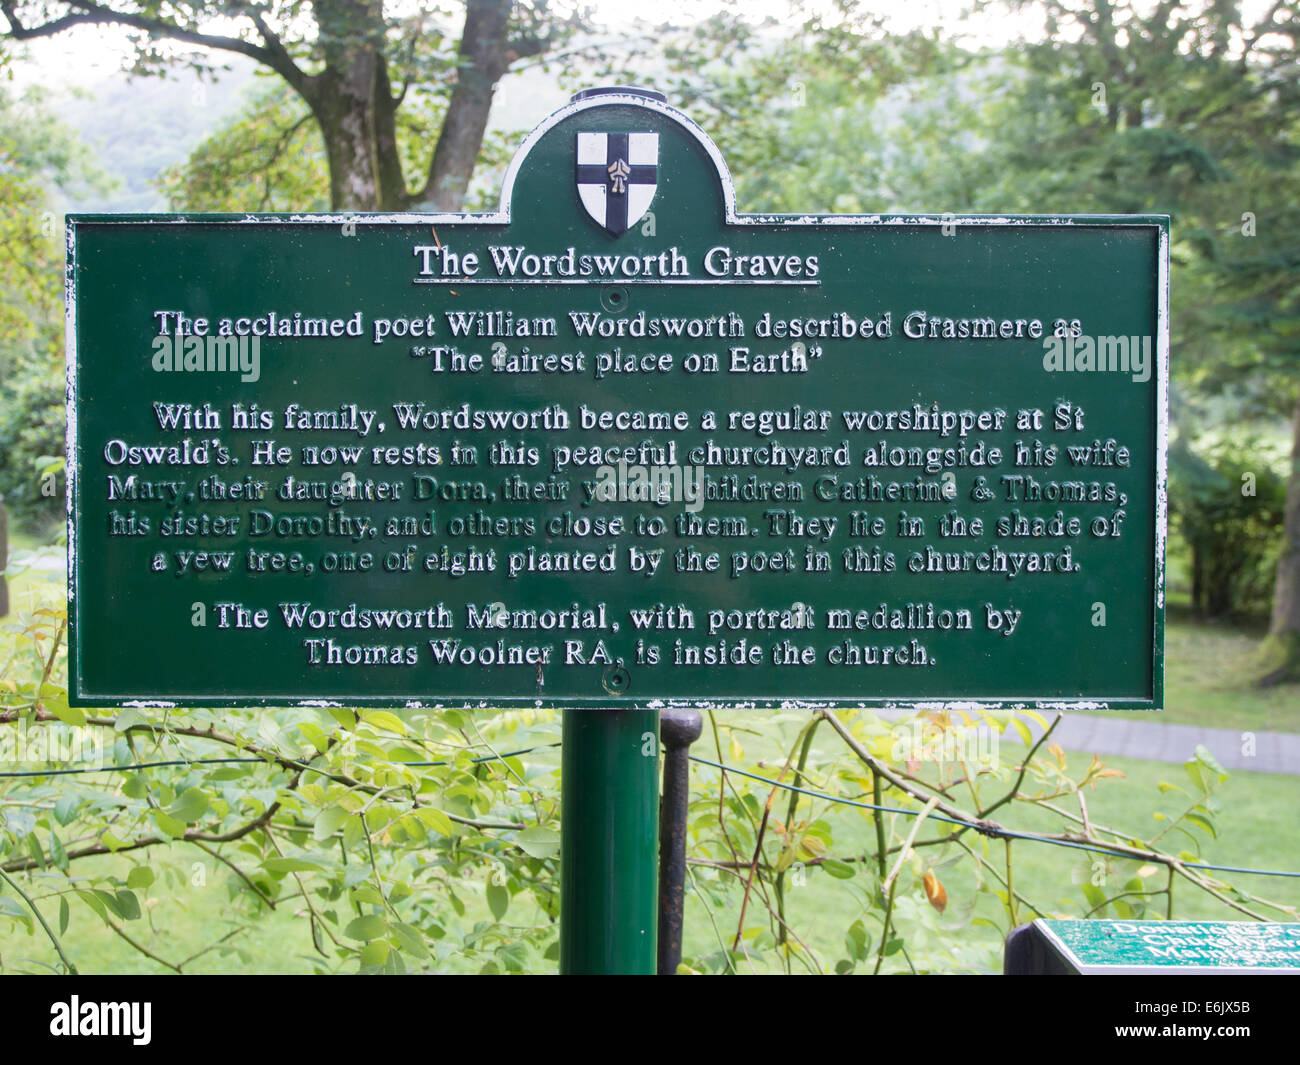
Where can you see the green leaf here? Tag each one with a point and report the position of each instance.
(140, 877)
(515, 956)
(169, 825)
(353, 831)
(343, 716)
(128, 905)
(65, 915)
(375, 953)
(1208, 760)
(13, 908)
(435, 819)
(367, 893)
(539, 842)
(329, 821)
(382, 719)
(34, 849)
(315, 736)
(126, 719)
(229, 772)
(498, 900)
(69, 715)
(366, 928)
(111, 840)
(1202, 822)
(1093, 894)
(57, 852)
(838, 869)
(189, 806)
(91, 900)
(109, 900)
(134, 786)
(294, 865)
(65, 809)
(409, 939)
(856, 941)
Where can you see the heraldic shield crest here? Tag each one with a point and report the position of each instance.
(617, 175)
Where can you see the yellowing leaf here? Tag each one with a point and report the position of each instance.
(1035, 717)
(934, 891)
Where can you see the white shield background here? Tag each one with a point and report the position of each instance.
(593, 150)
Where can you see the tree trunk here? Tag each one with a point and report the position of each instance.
(352, 99)
(485, 56)
(1198, 580)
(1280, 653)
(388, 162)
(343, 98)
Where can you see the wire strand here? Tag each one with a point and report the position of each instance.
(996, 833)
(986, 830)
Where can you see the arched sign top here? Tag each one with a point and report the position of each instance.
(593, 100)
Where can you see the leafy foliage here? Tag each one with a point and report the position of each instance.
(1228, 507)
(31, 436)
(38, 155)
(268, 157)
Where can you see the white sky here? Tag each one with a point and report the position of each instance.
(88, 54)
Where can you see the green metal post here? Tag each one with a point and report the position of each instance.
(609, 827)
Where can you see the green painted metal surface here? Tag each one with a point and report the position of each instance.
(609, 842)
(830, 468)
(1175, 946)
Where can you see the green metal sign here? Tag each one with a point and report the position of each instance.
(617, 444)
(1183, 946)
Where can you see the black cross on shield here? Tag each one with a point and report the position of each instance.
(617, 174)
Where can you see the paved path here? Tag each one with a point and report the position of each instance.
(1141, 737)
(1144, 735)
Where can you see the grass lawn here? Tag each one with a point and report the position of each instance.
(1208, 679)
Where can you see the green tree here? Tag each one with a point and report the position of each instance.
(38, 157)
(268, 157)
(354, 64)
(1180, 108)
(1192, 109)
